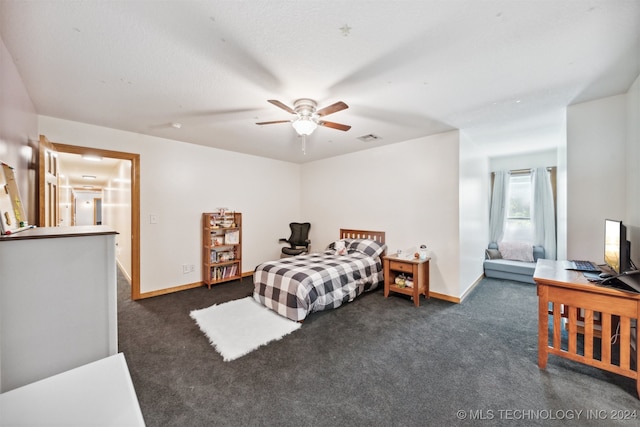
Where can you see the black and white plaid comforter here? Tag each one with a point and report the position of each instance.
(294, 287)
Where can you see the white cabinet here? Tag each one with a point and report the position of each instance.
(57, 301)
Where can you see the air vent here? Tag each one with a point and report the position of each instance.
(368, 138)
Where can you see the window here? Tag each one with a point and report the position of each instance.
(519, 224)
(517, 214)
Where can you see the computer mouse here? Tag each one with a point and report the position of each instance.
(605, 275)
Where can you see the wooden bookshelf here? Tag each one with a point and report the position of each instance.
(222, 247)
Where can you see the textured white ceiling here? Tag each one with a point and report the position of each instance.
(494, 69)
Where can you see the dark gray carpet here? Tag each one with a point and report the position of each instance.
(374, 362)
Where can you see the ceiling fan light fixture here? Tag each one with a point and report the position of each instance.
(306, 116)
(304, 125)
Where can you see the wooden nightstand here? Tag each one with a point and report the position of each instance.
(416, 268)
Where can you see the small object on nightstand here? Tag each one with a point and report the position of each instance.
(423, 251)
(409, 282)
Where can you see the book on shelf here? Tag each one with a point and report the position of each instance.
(224, 272)
(232, 270)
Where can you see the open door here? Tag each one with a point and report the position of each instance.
(97, 211)
(48, 151)
(48, 182)
(134, 237)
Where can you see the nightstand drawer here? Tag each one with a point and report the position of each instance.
(401, 266)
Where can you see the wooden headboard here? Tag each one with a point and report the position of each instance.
(377, 236)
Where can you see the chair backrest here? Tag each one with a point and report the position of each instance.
(299, 233)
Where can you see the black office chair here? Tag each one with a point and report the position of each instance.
(298, 241)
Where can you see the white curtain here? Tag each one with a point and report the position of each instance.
(498, 203)
(543, 213)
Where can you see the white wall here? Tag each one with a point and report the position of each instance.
(18, 129)
(596, 173)
(65, 193)
(410, 190)
(116, 208)
(18, 126)
(179, 182)
(531, 160)
(633, 170)
(85, 206)
(561, 197)
(474, 198)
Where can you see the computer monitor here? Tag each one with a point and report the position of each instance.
(616, 247)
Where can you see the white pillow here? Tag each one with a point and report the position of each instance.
(516, 251)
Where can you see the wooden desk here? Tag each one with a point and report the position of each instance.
(567, 297)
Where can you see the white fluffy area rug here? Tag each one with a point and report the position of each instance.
(236, 328)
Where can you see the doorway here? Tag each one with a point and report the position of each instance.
(97, 211)
(134, 226)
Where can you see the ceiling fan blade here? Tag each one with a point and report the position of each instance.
(281, 105)
(333, 108)
(277, 121)
(334, 125)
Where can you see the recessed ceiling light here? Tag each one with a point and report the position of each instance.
(176, 125)
(92, 157)
(89, 176)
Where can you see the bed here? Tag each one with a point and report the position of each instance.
(297, 286)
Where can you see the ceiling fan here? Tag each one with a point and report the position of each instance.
(307, 117)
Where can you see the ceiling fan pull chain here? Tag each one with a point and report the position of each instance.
(304, 145)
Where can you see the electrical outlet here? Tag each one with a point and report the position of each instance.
(185, 268)
(192, 268)
(154, 218)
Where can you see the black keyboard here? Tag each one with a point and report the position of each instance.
(585, 266)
